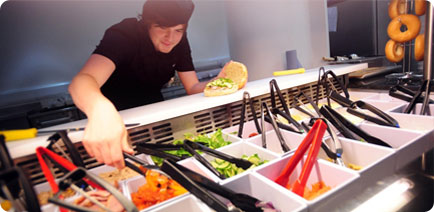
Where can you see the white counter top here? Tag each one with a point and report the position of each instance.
(177, 107)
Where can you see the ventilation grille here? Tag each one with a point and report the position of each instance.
(202, 122)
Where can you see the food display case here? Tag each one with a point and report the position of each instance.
(349, 189)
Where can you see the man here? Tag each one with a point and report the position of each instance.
(135, 58)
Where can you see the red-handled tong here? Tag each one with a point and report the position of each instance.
(313, 140)
(42, 152)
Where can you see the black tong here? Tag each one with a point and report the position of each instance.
(74, 155)
(406, 94)
(285, 113)
(347, 128)
(264, 107)
(77, 175)
(247, 99)
(424, 88)
(14, 185)
(191, 147)
(386, 120)
(324, 82)
(159, 150)
(140, 167)
(19, 181)
(199, 186)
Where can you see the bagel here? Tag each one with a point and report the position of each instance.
(394, 51)
(219, 87)
(396, 8)
(419, 7)
(419, 45)
(237, 72)
(413, 27)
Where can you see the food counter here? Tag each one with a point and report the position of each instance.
(349, 189)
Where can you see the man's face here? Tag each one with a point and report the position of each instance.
(165, 38)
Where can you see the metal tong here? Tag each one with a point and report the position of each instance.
(312, 141)
(247, 100)
(352, 108)
(285, 113)
(191, 147)
(72, 178)
(348, 129)
(200, 186)
(264, 106)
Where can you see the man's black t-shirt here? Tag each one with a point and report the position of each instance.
(140, 71)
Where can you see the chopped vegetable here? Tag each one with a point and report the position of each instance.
(354, 166)
(253, 134)
(221, 82)
(213, 141)
(229, 169)
(317, 189)
(158, 188)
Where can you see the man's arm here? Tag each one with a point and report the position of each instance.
(105, 135)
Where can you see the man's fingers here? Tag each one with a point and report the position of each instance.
(88, 149)
(105, 153)
(116, 154)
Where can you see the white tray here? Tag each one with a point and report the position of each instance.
(416, 110)
(343, 182)
(292, 140)
(376, 161)
(259, 187)
(408, 144)
(243, 148)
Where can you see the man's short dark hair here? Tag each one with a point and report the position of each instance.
(167, 13)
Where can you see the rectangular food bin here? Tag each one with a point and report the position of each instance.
(237, 150)
(408, 145)
(248, 128)
(259, 187)
(343, 182)
(416, 110)
(416, 123)
(186, 203)
(292, 140)
(132, 185)
(376, 161)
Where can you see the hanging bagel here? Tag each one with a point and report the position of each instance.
(419, 7)
(419, 45)
(396, 8)
(394, 51)
(410, 21)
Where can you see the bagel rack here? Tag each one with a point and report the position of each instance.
(407, 76)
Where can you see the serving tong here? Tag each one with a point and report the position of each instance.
(77, 178)
(312, 141)
(335, 153)
(324, 81)
(275, 90)
(200, 186)
(14, 185)
(354, 107)
(348, 129)
(420, 96)
(192, 147)
(274, 123)
(243, 117)
(77, 175)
